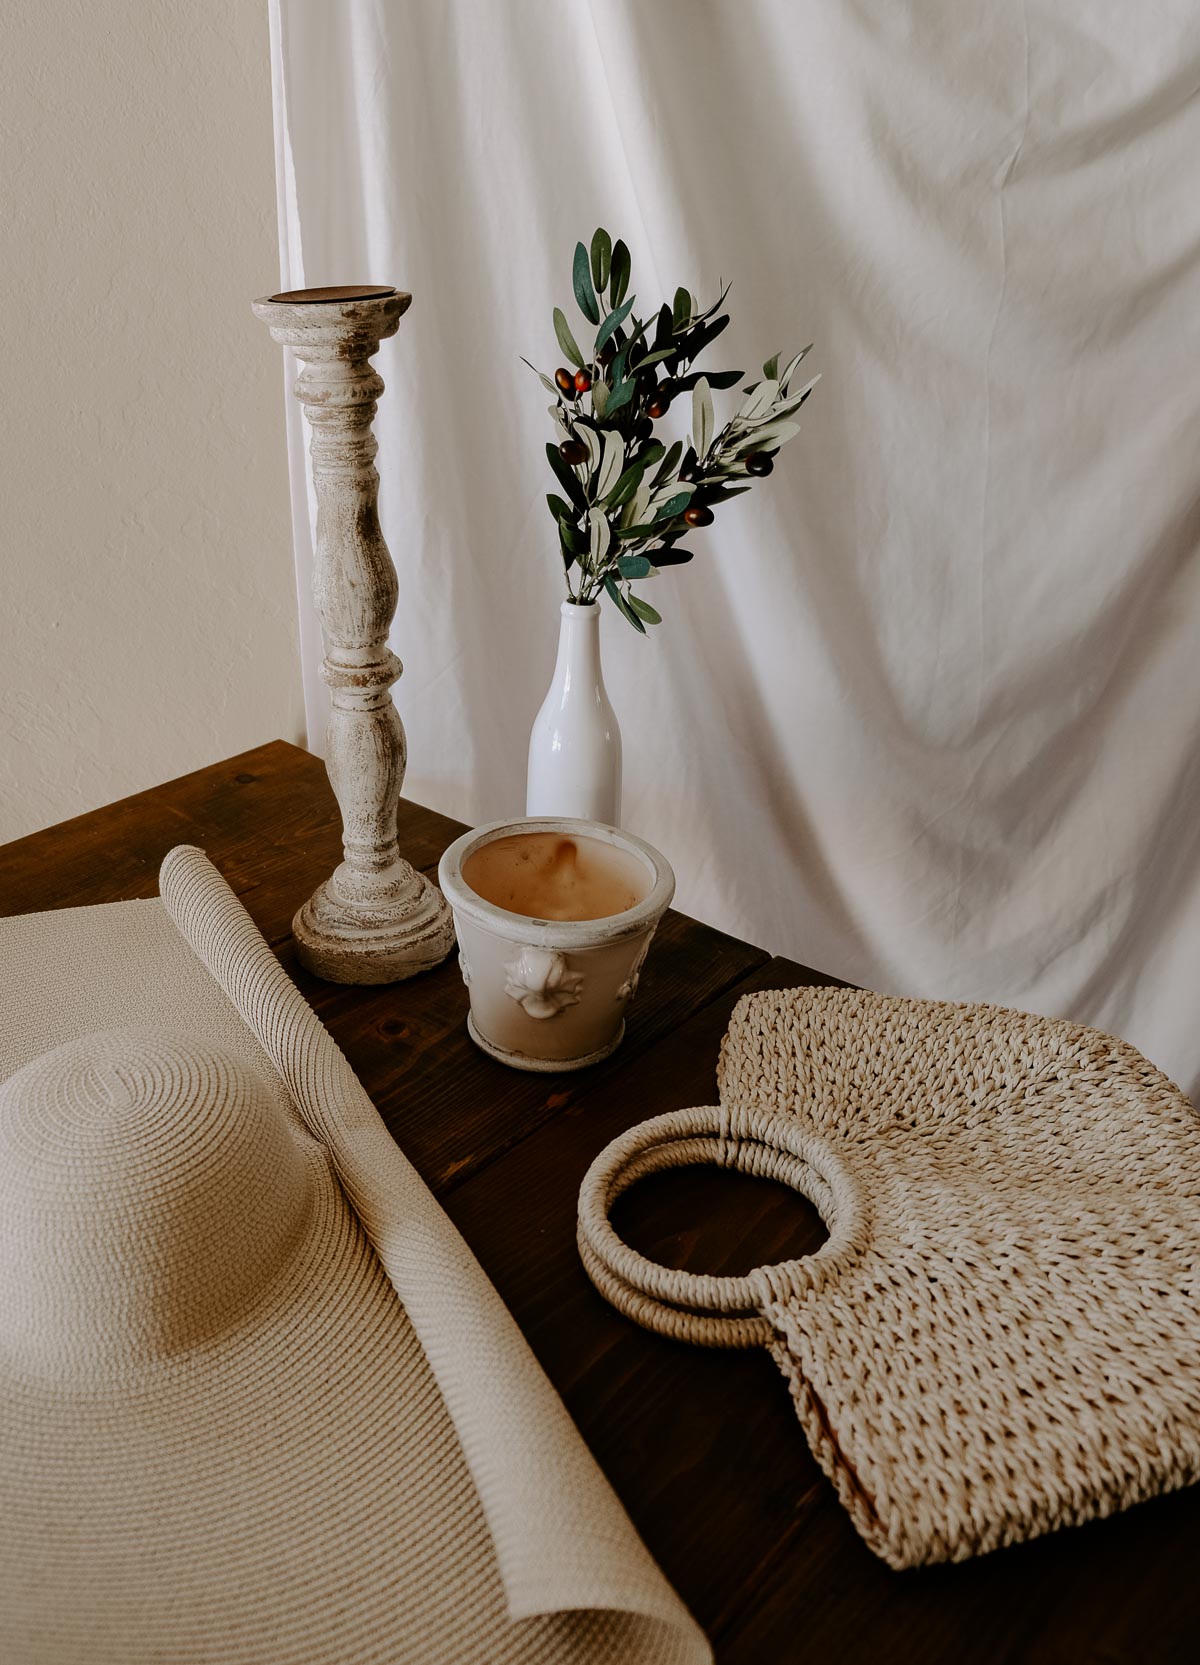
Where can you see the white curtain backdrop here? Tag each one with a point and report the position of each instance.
(925, 710)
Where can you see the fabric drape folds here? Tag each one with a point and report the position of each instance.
(924, 711)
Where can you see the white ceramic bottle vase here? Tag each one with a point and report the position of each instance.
(575, 746)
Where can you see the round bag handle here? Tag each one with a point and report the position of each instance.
(698, 1307)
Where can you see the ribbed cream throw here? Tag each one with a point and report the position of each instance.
(1002, 1333)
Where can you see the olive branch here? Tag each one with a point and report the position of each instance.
(628, 499)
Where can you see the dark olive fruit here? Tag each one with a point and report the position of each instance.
(565, 379)
(699, 516)
(643, 428)
(658, 407)
(688, 469)
(758, 462)
(573, 451)
(607, 353)
(583, 381)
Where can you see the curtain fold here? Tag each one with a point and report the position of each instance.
(923, 711)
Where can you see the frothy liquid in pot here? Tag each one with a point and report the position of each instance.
(546, 875)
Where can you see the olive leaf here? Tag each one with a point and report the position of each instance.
(702, 417)
(654, 358)
(621, 267)
(673, 506)
(635, 509)
(681, 312)
(715, 378)
(613, 322)
(600, 398)
(670, 462)
(787, 374)
(545, 380)
(625, 486)
(758, 400)
(617, 368)
(788, 406)
(582, 280)
(715, 307)
(592, 440)
(572, 538)
(769, 435)
(623, 606)
(771, 368)
(633, 566)
(644, 610)
(565, 339)
(610, 466)
(621, 396)
(671, 489)
(559, 509)
(795, 400)
(697, 340)
(599, 538)
(565, 476)
(601, 258)
(672, 557)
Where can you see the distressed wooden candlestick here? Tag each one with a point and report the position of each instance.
(375, 920)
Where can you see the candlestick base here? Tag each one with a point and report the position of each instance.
(345, 941)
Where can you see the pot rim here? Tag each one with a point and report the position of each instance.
(563, 933)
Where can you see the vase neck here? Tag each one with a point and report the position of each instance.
(579, 645)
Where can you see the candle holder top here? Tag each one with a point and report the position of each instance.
(340, 322)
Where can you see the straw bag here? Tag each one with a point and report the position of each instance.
(1001, 1334)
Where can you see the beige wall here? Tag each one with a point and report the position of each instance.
(149, 618)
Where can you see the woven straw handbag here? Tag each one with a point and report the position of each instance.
(1001, 1334)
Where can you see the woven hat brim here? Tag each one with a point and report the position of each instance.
(294, 1490)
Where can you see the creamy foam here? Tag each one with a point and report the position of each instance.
(552, 875)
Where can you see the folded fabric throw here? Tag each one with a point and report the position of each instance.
(1001, 1334)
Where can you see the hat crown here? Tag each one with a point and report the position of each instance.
(150, 1190)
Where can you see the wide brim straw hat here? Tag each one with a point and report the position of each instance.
(257, 1400)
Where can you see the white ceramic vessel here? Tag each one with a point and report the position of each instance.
(575, 746)
(549, 994)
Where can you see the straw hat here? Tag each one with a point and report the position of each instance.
(221, 1435)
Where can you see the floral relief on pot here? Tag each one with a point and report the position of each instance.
(540, 981)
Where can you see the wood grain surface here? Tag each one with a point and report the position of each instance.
(702, 1446)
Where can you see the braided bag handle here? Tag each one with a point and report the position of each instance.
(696, 1307)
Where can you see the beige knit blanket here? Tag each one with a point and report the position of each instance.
(1001, 1335)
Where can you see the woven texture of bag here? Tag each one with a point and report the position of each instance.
(1001, 1335)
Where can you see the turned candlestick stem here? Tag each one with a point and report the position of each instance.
(375, 919)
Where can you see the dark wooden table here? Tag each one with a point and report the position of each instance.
(702, 1446)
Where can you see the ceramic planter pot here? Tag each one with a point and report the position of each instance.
(550, 994)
